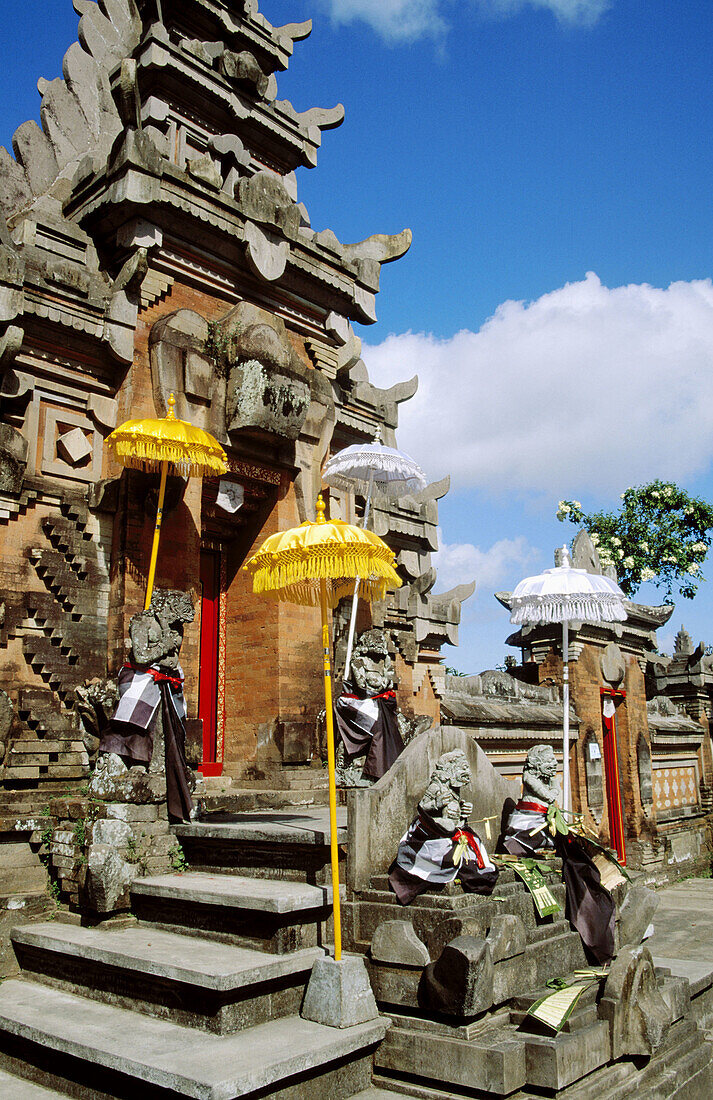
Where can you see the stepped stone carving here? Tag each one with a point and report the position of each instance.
(634, 1006)
(460, 982)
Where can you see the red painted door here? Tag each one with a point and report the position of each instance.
(611, 773)
(208, 682)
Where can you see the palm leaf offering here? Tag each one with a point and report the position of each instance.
(545, 901)
(554, 1009)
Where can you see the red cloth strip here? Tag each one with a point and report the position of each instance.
(384, 695)
(537, 807)
(459, 834)
(158, 677)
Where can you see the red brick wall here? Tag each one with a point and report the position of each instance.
(273, 651)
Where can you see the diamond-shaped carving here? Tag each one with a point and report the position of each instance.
(74, 447)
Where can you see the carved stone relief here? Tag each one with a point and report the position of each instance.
(593, 772)
(646, 784)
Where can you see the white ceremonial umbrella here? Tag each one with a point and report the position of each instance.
(360, 469)
(557, 596)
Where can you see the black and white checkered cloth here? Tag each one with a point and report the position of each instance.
(140, 695)
(428, 857)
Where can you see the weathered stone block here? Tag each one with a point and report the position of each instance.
(395, 941)
(339, 994)
(108, 879)
(506, 937)
(460, 982)
(633, 1005)
(636, 914)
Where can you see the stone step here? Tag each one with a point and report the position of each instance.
(556, 1061)
(273, 915)
(378, 1094)
(248, 799)
(292, 844)
(107, 1051)
(15, 1088)
(192, 982)
(494, 1062)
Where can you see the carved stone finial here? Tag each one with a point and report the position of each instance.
(683, 643)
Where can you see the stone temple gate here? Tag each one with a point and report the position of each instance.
(152, 240)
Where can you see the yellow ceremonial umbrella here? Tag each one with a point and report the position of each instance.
(315, 564)
(154, 445)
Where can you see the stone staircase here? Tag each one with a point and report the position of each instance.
(196, 995)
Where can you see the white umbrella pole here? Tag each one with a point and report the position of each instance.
(355, 597)
(565, 725)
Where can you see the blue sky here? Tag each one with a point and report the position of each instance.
(554, 161)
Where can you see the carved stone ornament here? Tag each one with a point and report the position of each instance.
(612, 665)
(635, 1008)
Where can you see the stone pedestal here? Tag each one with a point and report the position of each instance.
(339, 993)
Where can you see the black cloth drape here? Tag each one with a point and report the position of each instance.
(368, 726)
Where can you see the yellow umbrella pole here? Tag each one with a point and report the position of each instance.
(156, 535)
(331, 768)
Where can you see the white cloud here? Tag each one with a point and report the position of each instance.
(585, 389)
(462, 562)
(395, 20)
(407, 20)
(573, 12)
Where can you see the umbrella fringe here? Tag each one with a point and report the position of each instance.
(308, 593)
(192, 460)
(552, 608)
(337, 564)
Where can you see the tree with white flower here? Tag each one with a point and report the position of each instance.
(661, 534)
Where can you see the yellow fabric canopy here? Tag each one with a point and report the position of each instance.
(147, 444)
(291, 565)
(154, 445)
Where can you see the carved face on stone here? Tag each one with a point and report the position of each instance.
(372, 670)
(541, 760)
(454, 769)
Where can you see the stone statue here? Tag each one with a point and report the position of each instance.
(590, 906)
(366, 714)
(372, 670)
(538, 775)
(442, 797)
(148, 725)
(157, 634)
(526, 831)
(439, 846)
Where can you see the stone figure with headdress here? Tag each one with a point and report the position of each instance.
(439, 846)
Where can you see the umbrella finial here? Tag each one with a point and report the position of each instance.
(170, 415)
(321, 509)
(562, 558)
(377, 434)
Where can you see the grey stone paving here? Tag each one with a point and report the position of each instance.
(683, 931)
